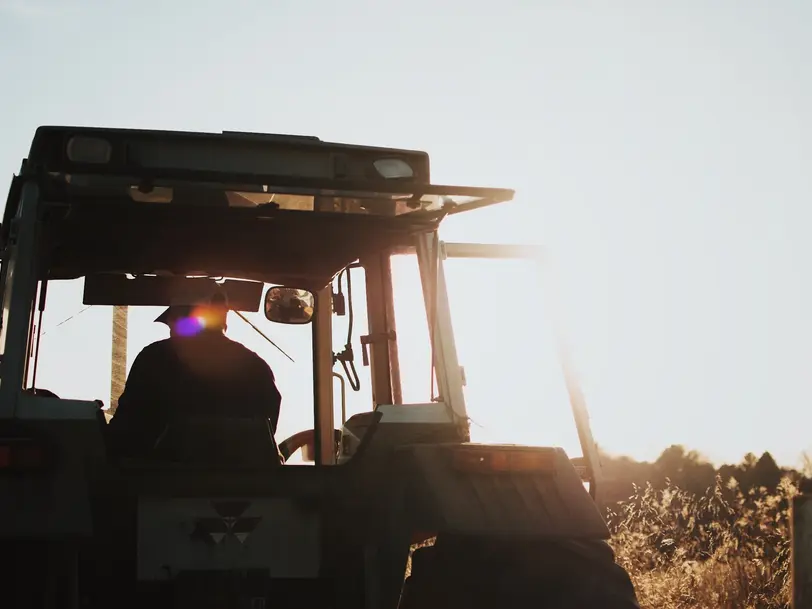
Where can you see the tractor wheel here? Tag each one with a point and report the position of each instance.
(488, 574)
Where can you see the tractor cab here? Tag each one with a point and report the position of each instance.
(281, 225)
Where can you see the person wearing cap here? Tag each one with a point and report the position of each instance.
(197, 370)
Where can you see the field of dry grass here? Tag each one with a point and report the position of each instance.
(725, 549)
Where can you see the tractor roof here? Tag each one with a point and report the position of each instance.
(278, 208)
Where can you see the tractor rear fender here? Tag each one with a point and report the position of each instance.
(48, 453)
(499, 491)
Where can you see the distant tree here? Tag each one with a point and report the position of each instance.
(728, 472)
(671, 463)
(687, 469)
(766, 472)
(691, 471)
(749, 461)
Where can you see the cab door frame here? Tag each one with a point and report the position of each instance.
(589, 465)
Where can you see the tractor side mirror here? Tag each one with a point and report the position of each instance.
(289, 305)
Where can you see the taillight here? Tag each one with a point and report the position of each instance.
(495, 459)
(21, 454)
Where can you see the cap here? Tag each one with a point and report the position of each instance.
(179, 311)
(173, 313)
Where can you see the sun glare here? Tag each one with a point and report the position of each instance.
(514, 390)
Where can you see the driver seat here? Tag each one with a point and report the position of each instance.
(218, 441)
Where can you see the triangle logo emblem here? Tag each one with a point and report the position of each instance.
(241, 537)
(217, 538)
(231, 522)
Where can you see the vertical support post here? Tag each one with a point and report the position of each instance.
(28, 360)
(118, 360)
(323, 378)
(435, 294)
(582, 426)
(801, 551)
(388, 293)
(379, 348)
(18, 299)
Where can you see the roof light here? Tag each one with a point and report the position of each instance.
(83, 149)
(393, 169)
(501, 459)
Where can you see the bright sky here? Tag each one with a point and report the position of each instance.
(659, 150)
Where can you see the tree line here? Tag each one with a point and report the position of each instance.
(689, 471)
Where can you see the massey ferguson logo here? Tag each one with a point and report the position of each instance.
(230, 522)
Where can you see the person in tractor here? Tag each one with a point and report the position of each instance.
(196, 372)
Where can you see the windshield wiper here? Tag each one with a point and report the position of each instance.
(263, 335)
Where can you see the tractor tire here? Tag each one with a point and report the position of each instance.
(490, 574)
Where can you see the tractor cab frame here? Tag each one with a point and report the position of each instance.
(147, 218)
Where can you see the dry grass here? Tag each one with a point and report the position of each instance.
(725, 549)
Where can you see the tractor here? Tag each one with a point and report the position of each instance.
(391, 507)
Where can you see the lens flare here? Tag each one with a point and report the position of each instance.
(189, 326)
